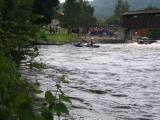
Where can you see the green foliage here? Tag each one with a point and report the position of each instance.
(25, 100)
(111, 20)
(61, 108)
(27, 115)
(62, 37)
(8, 84)
(24, 104)
(17, 37)
(42, 36)
(70, 17)
(17, 30)
(154, 34)
(55, 102)
(64, 98)
(49, 97)
(46, 9)
(120, 8)
(77, 13)
(36, 65)
(21, 98)
(15, 95)
(45, 112)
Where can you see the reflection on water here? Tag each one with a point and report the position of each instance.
(113, 82)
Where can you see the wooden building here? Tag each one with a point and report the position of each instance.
(143, 19)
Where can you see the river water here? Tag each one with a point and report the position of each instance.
(113, 82)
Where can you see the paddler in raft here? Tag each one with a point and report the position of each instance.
(90, 43)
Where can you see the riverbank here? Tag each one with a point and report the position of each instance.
(61, 37)
(106, 40)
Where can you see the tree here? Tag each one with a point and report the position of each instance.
(16, 31)
(46, 9)
(15, 17)
(111, 19)
(77, 13)
(120, 8)
(70, 9)
(17, 95)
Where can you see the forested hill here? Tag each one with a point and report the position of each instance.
(104, 8)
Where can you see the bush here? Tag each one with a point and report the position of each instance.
(9, 82)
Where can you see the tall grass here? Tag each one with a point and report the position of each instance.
(61, 37)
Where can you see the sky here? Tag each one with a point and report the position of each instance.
(64, 0)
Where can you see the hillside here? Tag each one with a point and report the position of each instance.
(104, 8)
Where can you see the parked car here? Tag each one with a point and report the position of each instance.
(145, 40)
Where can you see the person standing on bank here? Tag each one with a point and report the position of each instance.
(50, 29)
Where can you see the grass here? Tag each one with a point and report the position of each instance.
(135, 37)
(62, 37)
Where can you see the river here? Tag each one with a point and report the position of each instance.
(113, 82)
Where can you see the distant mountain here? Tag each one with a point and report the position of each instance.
(105, 8)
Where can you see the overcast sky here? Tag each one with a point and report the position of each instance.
(64, 0)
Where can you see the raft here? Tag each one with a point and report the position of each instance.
(81, 45)
(94, 46)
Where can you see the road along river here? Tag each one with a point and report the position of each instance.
(113, 82)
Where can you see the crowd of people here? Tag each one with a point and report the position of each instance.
(87, 31)
(93, 31)
(54, 30)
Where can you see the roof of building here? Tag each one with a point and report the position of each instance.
(141, 12)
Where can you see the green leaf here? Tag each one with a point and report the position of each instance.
(58, 113)
(30, 101)
(49, 97)
(40, 118)
(61, 107)
(43, 108)
(58, 86)
(47, 116)
(21, 98)
(37, 91)
(45, 112)
(26, 115)
(2, 107)
(64, 98)
(64, 81)
(63, 78)
(61, 91)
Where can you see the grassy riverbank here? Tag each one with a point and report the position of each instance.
(61, 37)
